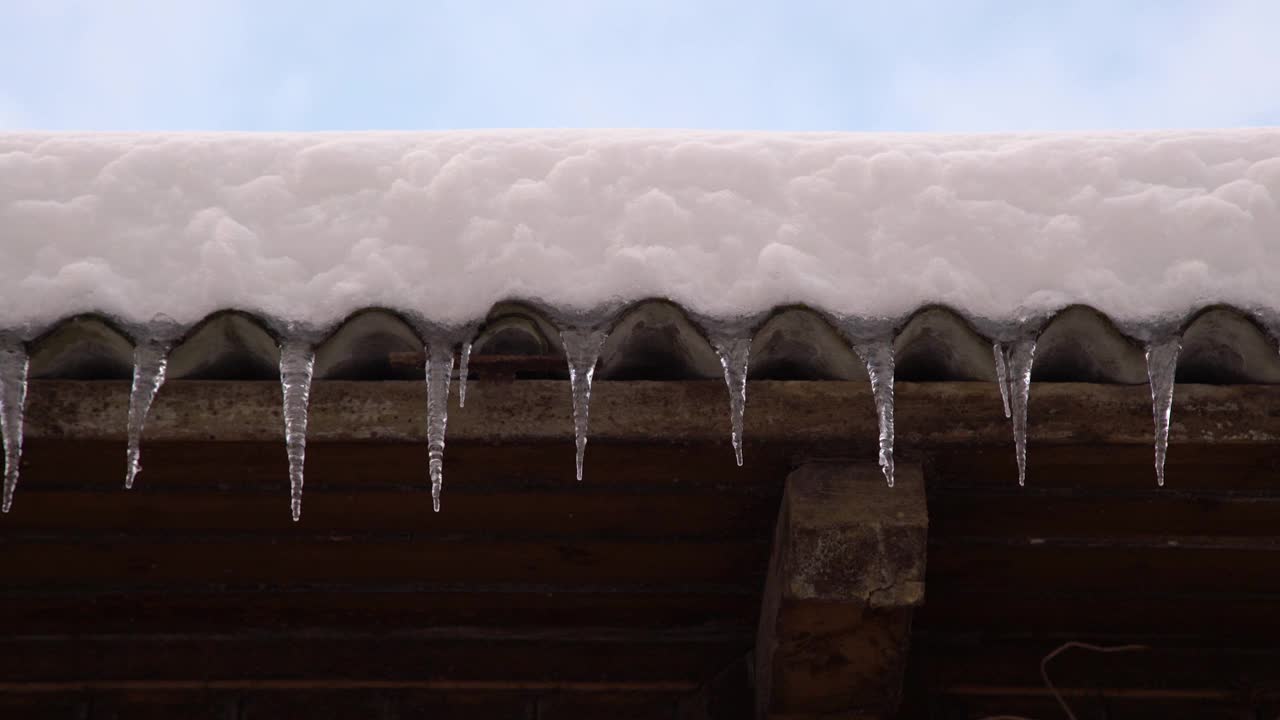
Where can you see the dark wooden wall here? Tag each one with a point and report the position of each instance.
(532, 596)
(1093, 551)
(529, 596)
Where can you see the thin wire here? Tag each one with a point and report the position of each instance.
(1044, 665)
(1044, 674)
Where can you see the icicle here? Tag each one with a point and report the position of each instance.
(1162, 362)
(150, 359)
(735, 354)
(1019, 357)
(878, 357)
(463, 361)
(1002, 376)
(439, 368)
(297, 359)
(582, 348)
(13, 402)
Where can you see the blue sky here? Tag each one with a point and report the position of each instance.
(798, 65)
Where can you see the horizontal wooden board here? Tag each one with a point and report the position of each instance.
(777, 411)
(1084, 705)
(576, 706)
(452, 658)
(322, 704)
(192, 704)
(1008, 666)
(1208, 565)
(361, 607)
(1235, 618)
(1034, 513)
(455, 705)
(1097, 470)
(236, 560)
(361, 467)
(67, 705)
(581, 512)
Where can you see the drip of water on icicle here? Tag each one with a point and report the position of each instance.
(582, 349)
(1162, 363)
(297, 361)
(735, 355)
(150, 360)
(1017, 358)
(464, 359)
(439, 367)
(13, 402)
(878, 357)
(1002, 376)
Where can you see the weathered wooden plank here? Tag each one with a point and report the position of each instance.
(1167, 515)
(729, 695)
(69, 464)
(581, 512)
(237, 560)
(847, 569)
(538, 411)
(1089, 705)
(1244, 565)
(162, 705)
(320, 705)
(456, 705)
(43, 706)
(1225, 617)
(176, 608)
(577, 706)
(454, 658)
(1097, 470)
(959, 664)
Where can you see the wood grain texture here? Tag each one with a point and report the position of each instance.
(928, 414)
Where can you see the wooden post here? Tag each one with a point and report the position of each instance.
(846, 571)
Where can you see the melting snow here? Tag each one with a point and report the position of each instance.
(306, 228)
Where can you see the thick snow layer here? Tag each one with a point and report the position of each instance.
(313, 226)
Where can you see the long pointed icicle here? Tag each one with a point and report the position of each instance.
(735, 355)
(1002, 376)
(297, 360)
(878, 357)
(463, 361)
(1020, 355)
(582, 348)
(150, 360)
(439, 368)
(13, 402)
(1162, 363)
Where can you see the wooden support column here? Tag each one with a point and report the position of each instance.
(846, 571)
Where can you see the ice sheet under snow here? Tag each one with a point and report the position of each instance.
(313, 226)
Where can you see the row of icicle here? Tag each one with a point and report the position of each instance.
(1013, 361)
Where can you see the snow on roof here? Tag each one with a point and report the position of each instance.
(314, 226)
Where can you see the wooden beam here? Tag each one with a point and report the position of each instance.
(796, 413)
(1006, 668)
(600, 659)
(727, 696)
(846, 571)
